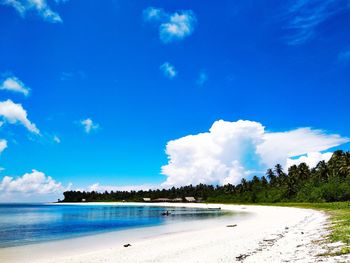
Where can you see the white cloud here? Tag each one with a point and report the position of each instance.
(153, 14)
(278, 146)
(179, 26)
(101, 188)
(89, 125)
(40, 7)
(230, 151)
(14, 113)
(305, 16)
(168, 70)
(15, 85)
(311, 159)
(202, 78)
(3, 145)
(174, 26)
(33, 186)
(56, 139)
(30, 183)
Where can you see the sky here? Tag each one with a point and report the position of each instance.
(151, 94)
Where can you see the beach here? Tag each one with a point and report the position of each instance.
(257, 234)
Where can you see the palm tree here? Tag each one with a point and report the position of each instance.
(321, 172)
(271, 176)
(244, 184)
(344, 163)
(304, 172)
(279, 170)
(264, 182)
(281, 176)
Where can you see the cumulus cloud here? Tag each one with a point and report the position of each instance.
(30, 183)
(15, 113)
(175, 26)
(311, 159)
(231, 151)
(3, 145)
(39, 7)
(168, 70)
(15, 85)
(33, 186)
(89, 125)
(179, 26)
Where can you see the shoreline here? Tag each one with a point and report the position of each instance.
(261, 234)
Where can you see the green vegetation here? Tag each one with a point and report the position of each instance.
(327, 182)
(325, 187)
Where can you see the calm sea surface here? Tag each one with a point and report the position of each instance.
(22, 224)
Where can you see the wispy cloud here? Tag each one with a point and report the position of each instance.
(202, 78)
(305, 17)
(344, 56)
(172, 26)
(14, 113)
(89, 125)
(56, 139)
(39, 7)
(15, 85)
(168, 70)
(153, 14)
(3, 145)
(69, 75)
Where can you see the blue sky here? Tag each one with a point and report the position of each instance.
(110, 85)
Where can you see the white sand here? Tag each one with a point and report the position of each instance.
(262, 234)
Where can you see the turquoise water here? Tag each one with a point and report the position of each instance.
(22, 224)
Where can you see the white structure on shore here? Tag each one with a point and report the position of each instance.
(190, 199)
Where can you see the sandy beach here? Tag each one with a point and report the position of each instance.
(259, 234)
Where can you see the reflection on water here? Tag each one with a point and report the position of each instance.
(31, 223)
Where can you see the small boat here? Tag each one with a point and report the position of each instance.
(166, 213)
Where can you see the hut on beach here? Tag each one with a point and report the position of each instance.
(190, 199)
(162, 200)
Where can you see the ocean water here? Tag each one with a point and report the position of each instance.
(22, 224)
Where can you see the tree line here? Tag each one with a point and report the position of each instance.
(327, 182)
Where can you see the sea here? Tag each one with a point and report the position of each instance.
(23, 224)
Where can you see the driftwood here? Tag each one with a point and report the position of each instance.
(242, 257)
(234, 225)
